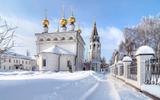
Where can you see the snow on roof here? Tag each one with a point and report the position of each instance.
(58, 50)
(13, 54)
(145, 50)
(127, 59)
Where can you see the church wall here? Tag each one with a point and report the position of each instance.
(51, 61)
(64, 59)
(67, 44)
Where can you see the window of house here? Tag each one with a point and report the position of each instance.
(44, 62)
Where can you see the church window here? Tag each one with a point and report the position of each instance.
(68, 63)
(48, 39)
(62, 38)
(16, 61)
(44, 62)
(26, 62)
(70, 38)
(9, 60)
(55, 39)
(94, 46)
(41, 40)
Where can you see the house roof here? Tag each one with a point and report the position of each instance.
(58, 50)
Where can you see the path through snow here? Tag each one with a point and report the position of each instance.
(63, 86)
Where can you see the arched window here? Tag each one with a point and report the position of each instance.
(70, 38)
(94, 46)
(40, 39)
(44, 62)
(62, 38)
(48, 39)
(55, 39)
(9, 60)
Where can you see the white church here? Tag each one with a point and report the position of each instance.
(62, 50)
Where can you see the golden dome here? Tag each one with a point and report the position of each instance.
(63, 22)
(45, 23)
(79, 30)
(72, 19)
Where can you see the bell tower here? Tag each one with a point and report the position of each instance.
(95, 48)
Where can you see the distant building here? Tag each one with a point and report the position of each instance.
(13, 61)
(95, 50)
(62, 50)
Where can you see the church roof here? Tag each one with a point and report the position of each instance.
(94, 35)
(58, 50)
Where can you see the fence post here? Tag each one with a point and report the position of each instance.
(142, 54)
(126, 62)
(119, 64)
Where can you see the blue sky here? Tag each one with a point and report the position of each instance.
(111, 16)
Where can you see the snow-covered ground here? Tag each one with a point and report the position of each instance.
(64, 86)
(127, 92)
(152, 89)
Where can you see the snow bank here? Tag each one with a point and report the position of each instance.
(26, 75)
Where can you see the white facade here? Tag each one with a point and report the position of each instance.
(12, 61)
(68, 47)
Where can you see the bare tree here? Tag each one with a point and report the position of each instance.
(6, 37)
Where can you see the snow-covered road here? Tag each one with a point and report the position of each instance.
(64, 86)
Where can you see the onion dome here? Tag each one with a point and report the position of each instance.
(45, 22)
(79, 30)
(72, 20)
(63, 22)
